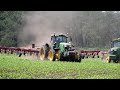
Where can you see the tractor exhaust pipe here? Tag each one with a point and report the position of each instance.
(33, 45)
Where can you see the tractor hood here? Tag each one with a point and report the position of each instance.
(65, 46)
(115, 48)
(114, 51)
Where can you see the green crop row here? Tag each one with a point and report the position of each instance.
(14, 67)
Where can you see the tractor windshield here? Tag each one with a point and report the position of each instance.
(116, 44)
(61, 39)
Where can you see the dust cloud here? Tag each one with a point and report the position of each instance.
(40, 25)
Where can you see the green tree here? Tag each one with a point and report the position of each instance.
(10, 24)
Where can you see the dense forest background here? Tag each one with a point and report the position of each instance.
(92, 29)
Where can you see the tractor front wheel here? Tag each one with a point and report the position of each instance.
(51, 55)
(108, 59)
(57, 56)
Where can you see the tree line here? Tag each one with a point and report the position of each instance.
(95, 28)
(10, 24)
(87, 28)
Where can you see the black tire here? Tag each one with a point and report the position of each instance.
(93, 56)
(82, 56)
(98, 56)
(116, 61)
(78, 57)
(86, 56)
(70, 59)
(20, 54)
(78, 60)
(61, 56)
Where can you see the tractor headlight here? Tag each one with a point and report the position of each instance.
(113, 51)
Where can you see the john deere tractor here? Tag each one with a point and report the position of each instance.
(114, 52)
(59, 49)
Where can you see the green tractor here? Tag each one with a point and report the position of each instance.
(59, 49)
(114, 52)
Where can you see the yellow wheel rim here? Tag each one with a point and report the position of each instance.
(77, 55)
(50, 55)
(42, 54)
(108, 59)
(57, 56)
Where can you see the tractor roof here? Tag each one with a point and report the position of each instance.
(60, 35)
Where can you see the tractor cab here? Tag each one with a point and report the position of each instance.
(115, 47)
(115, 43)
(114, 52)
(57, 39)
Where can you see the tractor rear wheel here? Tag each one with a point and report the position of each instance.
(77, 57)
(116, 61)
(44, 52)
